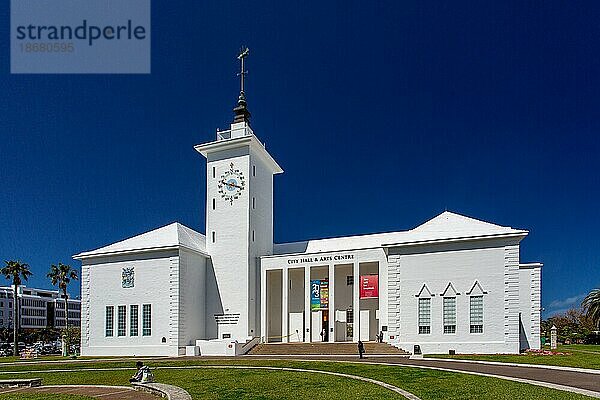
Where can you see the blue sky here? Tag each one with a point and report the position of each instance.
(382, 116)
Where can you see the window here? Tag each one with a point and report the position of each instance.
(133, 320)
(146, 320)
(214, 172)
(253, 203)
(476, 314)
(214, 236)
(110, 312)
(121, 321)
(349, 280)
(424, 316)
(254, 170)
(214, 204)
(253, 235)
(349, 316)
(449, 314)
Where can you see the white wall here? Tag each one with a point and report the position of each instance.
(229, 253)
(244, 232)
(192, 297)
(529, 306)
(101, 286)
(261, 222)
(462, 265)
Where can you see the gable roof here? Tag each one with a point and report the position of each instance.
(445, 226)
(169, 236)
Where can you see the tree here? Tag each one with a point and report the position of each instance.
(61, 276)
(17, 272)
(573, 326)
(591, 306)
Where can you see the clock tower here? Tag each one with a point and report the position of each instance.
(239, 224)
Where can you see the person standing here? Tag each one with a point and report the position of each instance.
(361, 349)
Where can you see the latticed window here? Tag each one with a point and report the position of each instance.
(449, 314)
(424, 316)
(110, 315)
(146, 320)
(133, 320)
(476, 311)
(121, 320)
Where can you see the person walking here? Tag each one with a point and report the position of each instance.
(361, 349)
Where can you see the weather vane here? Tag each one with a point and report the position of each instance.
(244, 51)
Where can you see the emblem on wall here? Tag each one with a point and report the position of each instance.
(127, 278)
(231, 184)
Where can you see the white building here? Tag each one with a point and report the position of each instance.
(452, 283)
(38, 308)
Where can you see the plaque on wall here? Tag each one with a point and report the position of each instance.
(127, 278)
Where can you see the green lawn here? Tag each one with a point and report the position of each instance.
(581, 356)
(262, 384)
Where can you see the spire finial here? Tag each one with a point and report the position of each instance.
(241, 113)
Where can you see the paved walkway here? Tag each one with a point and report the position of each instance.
(100, 392)
(580, 380)
(573, 381)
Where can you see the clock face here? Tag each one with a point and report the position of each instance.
(231, 184)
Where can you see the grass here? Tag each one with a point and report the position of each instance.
(263, 384)
(579, 356)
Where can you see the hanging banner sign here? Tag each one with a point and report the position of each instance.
(315, 294)
(369, 286)
(319, 294)
(324, 294)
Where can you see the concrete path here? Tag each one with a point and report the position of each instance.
(100, 392)
(580, 380)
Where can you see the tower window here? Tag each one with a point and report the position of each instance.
(253, 235)
(214, 172)
(254, 170)
(214, 236)
(253, 203)
(214, 204)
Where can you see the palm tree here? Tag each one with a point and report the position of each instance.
(61, 276)
(18, 272)
(591, 305)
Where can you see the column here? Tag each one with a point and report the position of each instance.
(285, 286)
(355, 301)
(263, 305)
(307, 333)
(331, 303)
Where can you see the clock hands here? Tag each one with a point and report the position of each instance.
(231, 185)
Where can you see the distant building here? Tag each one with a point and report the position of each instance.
(39, 308)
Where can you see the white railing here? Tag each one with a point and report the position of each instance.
(224, 135)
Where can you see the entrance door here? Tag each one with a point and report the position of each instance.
(325, 326)
(364, 325)
(316, 326)
(296, 327)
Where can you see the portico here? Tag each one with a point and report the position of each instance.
(317, 297)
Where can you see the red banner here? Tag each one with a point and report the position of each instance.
(369, 286)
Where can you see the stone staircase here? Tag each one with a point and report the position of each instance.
(282, 349)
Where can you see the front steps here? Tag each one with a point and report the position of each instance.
(285, 349)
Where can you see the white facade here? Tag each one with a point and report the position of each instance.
(452, 283)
